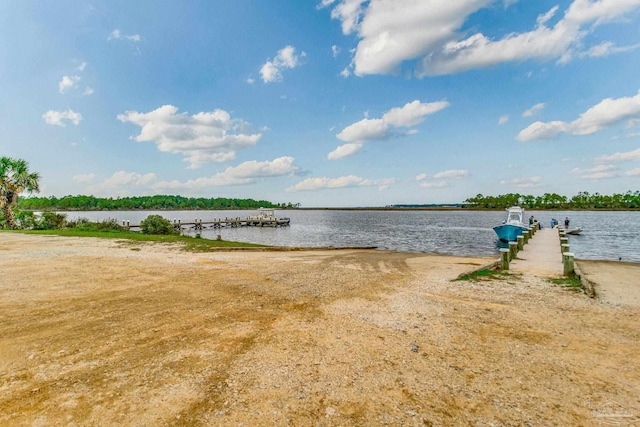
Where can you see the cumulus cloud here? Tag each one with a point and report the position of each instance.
(534, 110)
(452, 173)
(503, 120)
(60, 118)
(117, 35)
(356, 134)
(603, 171)
(67, 82)
(313, 184)
(201, 138)
(287, 57)
(621, 156)
(606, 113)
(124, 183)
(430, 32)
(344, 150)
(245, 173)
(438, 180)
(520, 182)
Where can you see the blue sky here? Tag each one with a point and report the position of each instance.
(325, 103)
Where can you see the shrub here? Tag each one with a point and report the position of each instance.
(155, 224)
(50, 221)
(26, 219)
(83, 224)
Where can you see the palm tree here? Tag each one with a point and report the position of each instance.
(14, 179)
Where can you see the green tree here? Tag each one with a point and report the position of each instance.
(15, 178)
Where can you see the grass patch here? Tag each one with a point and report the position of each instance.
(569, 283)
(188, 243)
(484, 274)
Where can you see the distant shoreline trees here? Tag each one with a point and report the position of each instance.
(582, 200)
(158, 202)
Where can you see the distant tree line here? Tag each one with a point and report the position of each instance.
(582, 200)
(158, 202)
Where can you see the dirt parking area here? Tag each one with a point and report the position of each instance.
(102, 332)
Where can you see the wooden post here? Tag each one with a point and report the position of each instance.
(564, 241)
(504, 259)
(568, 262)
(520, 243)
(525, 234)
(513, 249)
(565, 248)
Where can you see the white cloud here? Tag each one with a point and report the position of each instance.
(312, 184)
(84, 178)
(58, 118)
(411, 114)
(344, 150)
(392, 32)
(88, 91)
(534, 110)
(434, 184)
(271, 71)
(201, 138)
(438, 180)
(123, 183)
(503, 120)
(335, 50)
(520, 182)
(633, 172)
(67, 82)
(621, 156)
(365, 130)
(603, 171)
(245, 173)
(606, 113)
(606, 49)
(82, 66)
(452, 173)
(117, 35)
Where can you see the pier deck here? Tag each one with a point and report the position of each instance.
(542, 255)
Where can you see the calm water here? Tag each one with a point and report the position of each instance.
(606, 235)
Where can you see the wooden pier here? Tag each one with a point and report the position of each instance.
(264, 218)
(544, 252)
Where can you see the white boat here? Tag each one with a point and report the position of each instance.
(266, 217)
(513, 227)
(574, 231)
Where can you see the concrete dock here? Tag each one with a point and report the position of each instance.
(541, 256)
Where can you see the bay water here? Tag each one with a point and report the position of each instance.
(610, 235)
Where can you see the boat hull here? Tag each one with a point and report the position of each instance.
(509, 232)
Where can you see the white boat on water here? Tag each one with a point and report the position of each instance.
(513, 227)
(266, 217)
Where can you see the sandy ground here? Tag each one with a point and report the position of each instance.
(615, 282)
(99, 332)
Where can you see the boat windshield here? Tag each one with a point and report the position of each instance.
(514, 217)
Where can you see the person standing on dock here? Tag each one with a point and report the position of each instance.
(566, 222)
